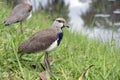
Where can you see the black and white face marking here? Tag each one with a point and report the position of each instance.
(60, 21)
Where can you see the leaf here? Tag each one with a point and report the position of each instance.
(84, 73)
(44, 75)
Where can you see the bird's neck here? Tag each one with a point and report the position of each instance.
(59, 30)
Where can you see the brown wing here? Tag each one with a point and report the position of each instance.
(20, 12)
(39, 41)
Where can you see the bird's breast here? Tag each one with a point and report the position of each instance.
(29, 16)
(55, 43)
(52, 46)
(60, 36)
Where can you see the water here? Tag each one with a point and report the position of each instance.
(77, 8)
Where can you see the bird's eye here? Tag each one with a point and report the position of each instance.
(60, 21)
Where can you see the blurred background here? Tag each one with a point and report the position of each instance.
(95, 18)
(92, 39)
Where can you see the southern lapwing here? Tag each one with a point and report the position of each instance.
(45, 40)
(20, 12)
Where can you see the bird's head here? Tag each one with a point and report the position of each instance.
(60, 23)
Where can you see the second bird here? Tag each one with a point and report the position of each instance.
(45, 40)
(20, 12)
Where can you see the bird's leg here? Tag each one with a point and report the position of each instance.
(21, 27)
(47, 63)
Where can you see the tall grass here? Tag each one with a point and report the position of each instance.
(69, 60)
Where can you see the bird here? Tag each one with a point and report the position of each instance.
(45, 40)
(20, 12)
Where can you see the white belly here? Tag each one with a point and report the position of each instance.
(52, 47)
(29, 16)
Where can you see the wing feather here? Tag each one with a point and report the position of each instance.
(40, 41)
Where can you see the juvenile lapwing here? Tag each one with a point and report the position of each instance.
(45, 40)
(20, 12)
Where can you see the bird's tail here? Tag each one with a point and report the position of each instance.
(6, 23)
(10, 20)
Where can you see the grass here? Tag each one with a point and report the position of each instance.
(75, 53)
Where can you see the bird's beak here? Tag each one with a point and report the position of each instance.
(67, 26)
